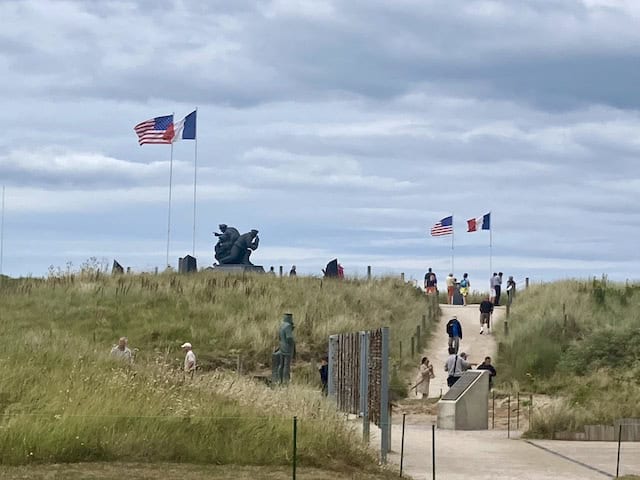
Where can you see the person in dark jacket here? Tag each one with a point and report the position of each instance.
(324, 374)
(486, 309)
(486, 365)
(454, 330)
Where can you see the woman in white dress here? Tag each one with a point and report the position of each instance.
(425, 374)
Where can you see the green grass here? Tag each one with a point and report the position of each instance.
(63, 400)
(588, 359)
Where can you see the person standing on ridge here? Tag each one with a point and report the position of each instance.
(492, 288)
(498, 288)
(464, 288)
(454, 330)
(430, 282)
(511, 290)
(292, 272)
(451, 288)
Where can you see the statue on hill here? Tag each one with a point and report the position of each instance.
(233, 248)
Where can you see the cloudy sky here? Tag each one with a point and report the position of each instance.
(338, 128)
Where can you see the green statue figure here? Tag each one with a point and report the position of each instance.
(287, 348)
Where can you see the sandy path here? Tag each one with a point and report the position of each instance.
(473, 344)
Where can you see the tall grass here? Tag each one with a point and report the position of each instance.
(63, 400)
(588, 357)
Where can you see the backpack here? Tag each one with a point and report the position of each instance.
(464, 283)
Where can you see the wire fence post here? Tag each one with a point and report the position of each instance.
(518, 413)
(364, 384)
(619, 444)
(493, 410)
(508, 416)
(295, 446)
(433, 452)
(404, 416)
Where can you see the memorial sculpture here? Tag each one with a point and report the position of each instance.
(233, 248)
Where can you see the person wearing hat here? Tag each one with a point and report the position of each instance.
(189, 359)
(287, 348)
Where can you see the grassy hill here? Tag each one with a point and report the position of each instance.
(64, 400)
(590, 359)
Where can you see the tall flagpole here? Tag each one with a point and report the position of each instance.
(2, 234)
(169, 213)
(452, 235)
(490, 245)
(195, 181)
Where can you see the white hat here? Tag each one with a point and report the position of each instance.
(186, 345)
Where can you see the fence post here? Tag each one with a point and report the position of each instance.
(493, 410)
(331, 387)
(433, 452)
(518, 412)
(413, 346)
(506, 327)
(509, 416)
(384, 397)
(400, 349)
(619, 442)
(418, 340)
(424, 322)
(508, 309)
(295, 446)
(364, 384)
(281, 270)
(526, 283)
(530, 407)
(402, 276)
(404, 416)
(368, 272)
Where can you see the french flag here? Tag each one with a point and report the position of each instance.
(482, 223)
(185, 129)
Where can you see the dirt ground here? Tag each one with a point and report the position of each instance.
(174, 471)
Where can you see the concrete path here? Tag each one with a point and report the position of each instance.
(488, 454)
(473, 344)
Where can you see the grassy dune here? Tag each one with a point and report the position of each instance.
(590, 360)
(64, 400)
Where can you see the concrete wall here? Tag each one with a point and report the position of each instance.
(470, 411)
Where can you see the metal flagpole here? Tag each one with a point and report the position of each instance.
(490, 245)
(2, 234)
(169, 213)
(452, 235)
(195, 181)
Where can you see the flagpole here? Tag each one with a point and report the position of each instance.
(2, 234)
(490, 245)
(169, 213)
(195, 181)
(452, 248)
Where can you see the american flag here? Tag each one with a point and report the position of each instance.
(156, 130)
(443, 227)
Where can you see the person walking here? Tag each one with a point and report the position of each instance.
(511, 290)
(189, 359)
(292, 272)
(430, 282)
(486, 365)
(287, 348)
(454, 330)
(455, 366)
(424, 377)
(465, 284)
(486, 309)
(451, 288)
(324, 375)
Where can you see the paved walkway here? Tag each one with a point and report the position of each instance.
(488, 454)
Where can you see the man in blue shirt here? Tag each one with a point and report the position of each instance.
(454, 330)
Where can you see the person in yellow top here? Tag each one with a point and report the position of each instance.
(451, 288)
(464, 288)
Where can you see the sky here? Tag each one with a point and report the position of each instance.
(337, 128)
